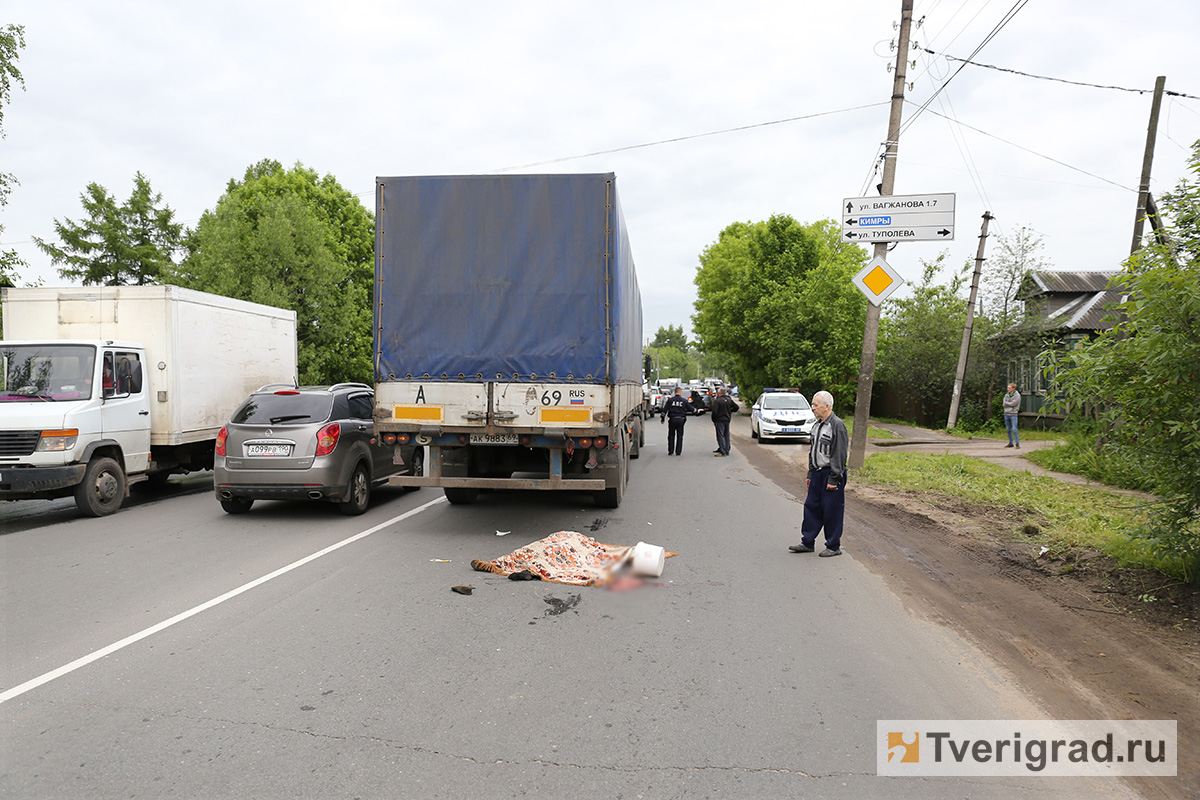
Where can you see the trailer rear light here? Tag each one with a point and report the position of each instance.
(327, 438)
(585, 443)
(526, 441)
(403, 438)
(463, 438)
(389, 438)
(221, 437)
(601, 443)
(58, 440)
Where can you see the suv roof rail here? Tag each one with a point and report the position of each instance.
(277, 386)
(349, 385)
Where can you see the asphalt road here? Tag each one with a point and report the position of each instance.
(293, 652)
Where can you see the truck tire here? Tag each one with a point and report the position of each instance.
(102, 490)
(461, 495)
(358, 492)
(237, 505)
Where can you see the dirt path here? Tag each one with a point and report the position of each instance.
(1081, 641)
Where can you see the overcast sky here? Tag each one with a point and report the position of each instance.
(191, 94)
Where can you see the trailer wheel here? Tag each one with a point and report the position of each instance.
(461, 495)
(358, 494)
(103, 488)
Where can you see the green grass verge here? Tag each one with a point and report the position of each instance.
(1067, 515)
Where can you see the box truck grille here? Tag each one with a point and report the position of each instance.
(18, 443)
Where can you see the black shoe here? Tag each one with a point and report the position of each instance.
(800, 548)
(827, 553)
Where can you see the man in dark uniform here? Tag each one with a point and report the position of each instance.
(722, 411)
(675, 413)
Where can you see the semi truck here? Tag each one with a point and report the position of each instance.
(508, 329)
(105, 387)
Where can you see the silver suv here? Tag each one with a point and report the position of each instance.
(312, 442)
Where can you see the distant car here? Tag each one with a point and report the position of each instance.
(782, 414)
(306, 443)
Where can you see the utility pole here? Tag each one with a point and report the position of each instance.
(965, 349)
(1147, 161)
(866, 370)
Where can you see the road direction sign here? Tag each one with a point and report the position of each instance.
(877, 280)
(898, 218)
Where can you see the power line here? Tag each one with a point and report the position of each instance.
(687, 138)
(1034, 152)
(965, 61)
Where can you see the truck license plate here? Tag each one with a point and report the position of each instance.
(268, 450)
(494, 438)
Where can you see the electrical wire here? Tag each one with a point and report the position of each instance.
(1007, 18)
(687, 138)
(1036, 153)
(966, 61)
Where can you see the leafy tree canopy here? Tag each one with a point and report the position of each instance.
(776, 297)
(1143, 374)
(670, 336)
(294, 240)
(12, 40)
(921, 336)
(117, 245)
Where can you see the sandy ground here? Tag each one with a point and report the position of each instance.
(1073, 630)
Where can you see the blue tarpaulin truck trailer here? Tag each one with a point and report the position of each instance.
(508, 329)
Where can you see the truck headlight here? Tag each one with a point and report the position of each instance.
(58, 440)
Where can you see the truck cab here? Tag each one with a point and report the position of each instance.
(74, 420)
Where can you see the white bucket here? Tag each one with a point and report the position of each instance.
(648, 559)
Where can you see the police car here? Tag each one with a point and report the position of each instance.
(782, 414)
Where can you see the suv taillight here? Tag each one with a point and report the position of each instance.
(221, 437)
(327, 438)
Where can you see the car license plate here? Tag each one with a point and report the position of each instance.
(268, 450)
(793, 430)
(494, 438)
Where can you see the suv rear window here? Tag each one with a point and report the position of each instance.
(283, 409)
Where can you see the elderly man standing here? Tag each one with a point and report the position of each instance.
(825, 505)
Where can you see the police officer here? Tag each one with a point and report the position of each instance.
(675, 414)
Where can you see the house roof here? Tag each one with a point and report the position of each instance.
(1047, 282)
(1086, 311)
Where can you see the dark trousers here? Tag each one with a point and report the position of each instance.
(823, 508)
(675, 435)
(722, 426)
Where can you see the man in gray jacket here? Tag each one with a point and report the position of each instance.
(825, 505)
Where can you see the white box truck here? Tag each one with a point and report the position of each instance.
(103, 387)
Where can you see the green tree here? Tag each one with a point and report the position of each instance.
(1143, 374)
(12, 40)
(117, 245)
(291, 239)
(776, 297)
(920, 339)
(670, 336)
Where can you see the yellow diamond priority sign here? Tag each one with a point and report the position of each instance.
(877, 280)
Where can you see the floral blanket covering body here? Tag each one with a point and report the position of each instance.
(563, 557)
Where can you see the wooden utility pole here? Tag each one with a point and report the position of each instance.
(965, 349)
(866, 369)
(1147, 161)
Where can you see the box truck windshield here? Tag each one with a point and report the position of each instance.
(41, 373)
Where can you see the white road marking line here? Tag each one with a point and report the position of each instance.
(17, 691)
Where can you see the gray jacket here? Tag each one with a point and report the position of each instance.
(832, 437)
(1012, 403)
